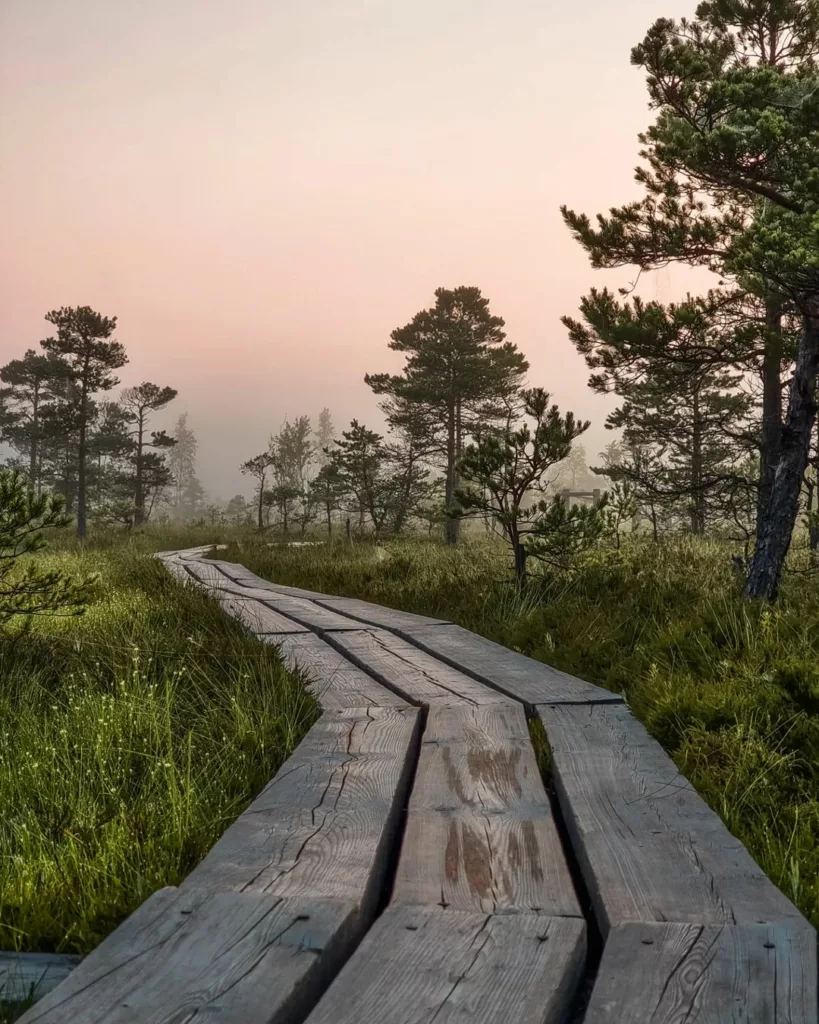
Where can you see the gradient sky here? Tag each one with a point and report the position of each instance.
(262, 190)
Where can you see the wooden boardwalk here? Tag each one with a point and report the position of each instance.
(407, 866)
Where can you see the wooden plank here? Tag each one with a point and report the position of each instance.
(377, 614)
(258, 618)
(333, 680)
(31, 975)
(507, 671)
(236, 957)
(323, 828)
(649, 847)
(480, 835)
(414, 674)
(308, 613)
(708, 974)
(244, 577)
(419, 965)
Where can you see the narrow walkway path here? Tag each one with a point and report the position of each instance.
(406, 865)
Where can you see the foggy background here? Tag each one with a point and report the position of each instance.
(262, 191)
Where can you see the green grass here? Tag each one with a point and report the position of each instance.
(729, 688)
(129, 739)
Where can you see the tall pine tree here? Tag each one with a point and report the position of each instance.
(459, 368)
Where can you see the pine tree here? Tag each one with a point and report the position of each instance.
(83, 342)
(32, 384)
(504, 466)
(459, 368)
(732, 185)
(360, 456)
(325, 435)
(679, 403)
(258, 468)
(149, 467)
(182, 461)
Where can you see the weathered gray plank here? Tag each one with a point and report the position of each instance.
(377, 614)
(237, 957)
(244, 577)
(418, 965)
(409, 671)
(508, 671)
(258, 618)
(480, 835)
(27, 975)
(706, 974)
(333, 680)
(323, 827)
(649, 847)
(308, 613)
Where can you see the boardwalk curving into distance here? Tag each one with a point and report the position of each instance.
(407, 866)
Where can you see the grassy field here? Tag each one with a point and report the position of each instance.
(130, 738)
(730, 689)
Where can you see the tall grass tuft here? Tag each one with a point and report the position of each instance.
(130, 738)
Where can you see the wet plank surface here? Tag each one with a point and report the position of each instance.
(325, 825)
(706, 974)
(333, 680)
(480, 835)
(414, 674)
(418, 965)
(236, 957)
(649, 847)
(511, 673)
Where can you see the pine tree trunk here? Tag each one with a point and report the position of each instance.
(771, 437)
(697, 496)
(781, 512)
(451, 524)
(261, 505)
(35, 427)
(520, 559)
(139, 495)
(81, 483)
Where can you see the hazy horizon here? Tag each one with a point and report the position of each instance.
(261, 195)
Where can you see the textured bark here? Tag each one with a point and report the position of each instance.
(771, 438)
(774, 536)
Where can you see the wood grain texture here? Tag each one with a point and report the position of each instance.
(233, 957)
(258, 617)
(27, 975)
(324, 827)
(706, 974)
(649, 847)
(508, 671)
(244, 577)
(377, 614)
(308, 613)
(418, 965)
(480, 835)
(332, 679)
(413, 673)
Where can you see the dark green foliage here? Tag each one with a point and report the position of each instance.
(459, 370)
(25, 588)
(504, 469)
(732, 183)
(83, 342)
(132, 737)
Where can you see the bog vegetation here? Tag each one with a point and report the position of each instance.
(678, 566)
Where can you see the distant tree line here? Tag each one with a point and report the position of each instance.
(99, 454)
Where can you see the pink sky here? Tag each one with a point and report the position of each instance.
(261, 191)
